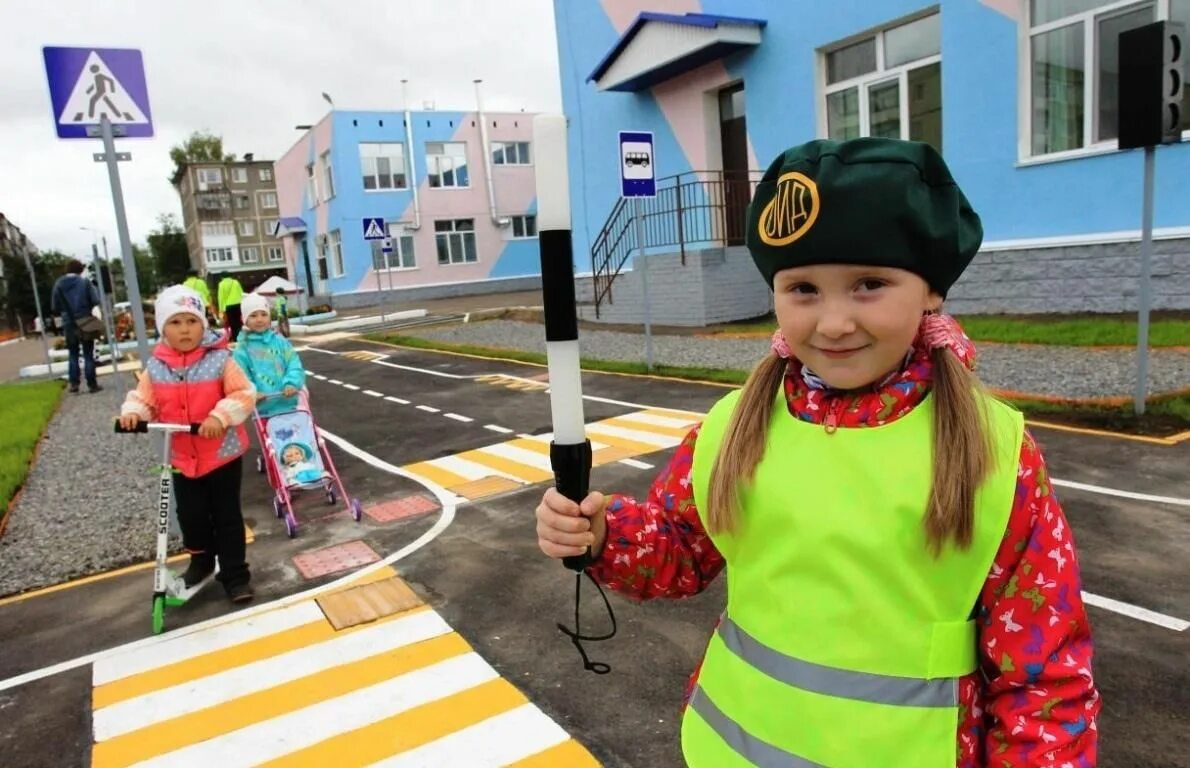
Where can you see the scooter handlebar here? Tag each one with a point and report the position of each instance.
(145, 426)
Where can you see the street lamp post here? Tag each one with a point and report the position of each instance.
(107, 308)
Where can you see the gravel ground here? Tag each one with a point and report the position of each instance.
(88, 503)
(1058, 371)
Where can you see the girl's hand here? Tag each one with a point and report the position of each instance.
(289, 391)
(211, 427)
(566, 529)
(129, 420)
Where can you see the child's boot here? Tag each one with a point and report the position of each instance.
(202, 565)
(240, 592)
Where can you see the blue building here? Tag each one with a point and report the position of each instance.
(1020, 96)
(455, 191)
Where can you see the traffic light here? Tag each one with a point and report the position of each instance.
(1152, 75)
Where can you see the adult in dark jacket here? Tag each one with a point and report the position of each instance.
(73, 298)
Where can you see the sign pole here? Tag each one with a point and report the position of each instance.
(1145, 293)
(107, 312)
(643, 266)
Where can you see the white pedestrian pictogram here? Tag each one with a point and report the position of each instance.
(97, 92)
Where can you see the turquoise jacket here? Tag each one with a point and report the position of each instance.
(272, 363)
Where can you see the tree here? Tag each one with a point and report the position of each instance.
(170, 254)
(147, 275)
(200, 147)
(48, 267)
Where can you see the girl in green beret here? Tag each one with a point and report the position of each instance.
(902, 584)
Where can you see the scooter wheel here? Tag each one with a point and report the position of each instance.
(290, 527)
(357, 510)
(158, 614)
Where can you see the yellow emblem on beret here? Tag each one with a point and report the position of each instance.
(791, 212)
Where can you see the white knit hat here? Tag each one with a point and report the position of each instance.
(174, 300)
(253, 302)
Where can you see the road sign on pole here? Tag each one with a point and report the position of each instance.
(87, 84)
(374, 228)
(638, 180)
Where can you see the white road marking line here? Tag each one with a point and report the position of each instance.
(649, 438)
(635, 464)
(177, 649)
(500, 740)
(457, 417)
(548, 438)
(318, 349)
(289, 733)
(373, 393)
(1136, 612)
(440, 374)
(519, 455)
(497, 428)
(229, 684)
(427, 408)
(334, 381)
(320, 377)
(446, 499)
(351, 386)
(397, 400)
(1121, 494)
(658, 421)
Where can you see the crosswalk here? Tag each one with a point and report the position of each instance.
(285, 688)
(525, 459)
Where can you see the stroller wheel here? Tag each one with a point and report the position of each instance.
(278, 507)
(290, 527)
(357, 510)
(330, 496)
(260, 464)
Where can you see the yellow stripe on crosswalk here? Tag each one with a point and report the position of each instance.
(211, 663)
(625, 422)
(689, 417)
(226, 717)
(507, 466)
(408, 730)
(635, 446)
(569, 754)
(531, 445)
(436, 474)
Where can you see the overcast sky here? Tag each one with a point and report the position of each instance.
(249, 70)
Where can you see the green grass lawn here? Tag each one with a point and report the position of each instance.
(26, 410)
(1073, 330)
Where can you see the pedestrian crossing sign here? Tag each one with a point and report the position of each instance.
(87, 84)
(374, 229)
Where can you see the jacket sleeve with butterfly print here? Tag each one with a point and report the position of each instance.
(1033, 701)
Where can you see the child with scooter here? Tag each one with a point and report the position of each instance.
(192, 378)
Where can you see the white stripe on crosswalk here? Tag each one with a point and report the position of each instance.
(497, 741)
(279, 736)
(659, 421)
(649, 438)
(519, 455)
(167, 703)
(111, 668)
(469, 469)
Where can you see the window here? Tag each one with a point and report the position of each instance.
(275, 253)
(524, 226)
(510, 153)
(402, 255)
(219, 255)
(1073, 85)
(266, 174)
(888, 84)
(267, 200)
(455, 240)
(250, 255)
(210, 177)
(243, 202)
(446, 164)
(383, 165)
(212, 202)
(328, 176)
(239, 175)
(336, 248)
(269, 227)
(217, 229)
(247, 227)
(311, 186)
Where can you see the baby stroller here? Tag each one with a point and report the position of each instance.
(295, 457)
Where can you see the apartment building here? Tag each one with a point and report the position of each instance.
(14, 244)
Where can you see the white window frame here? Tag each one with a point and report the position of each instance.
(312, 185)
(208, 177)
(1025, 33)
(250, 254)
(524, 219)
(222, 256)
(502, 148)
(328, 176)
(246, 227)
(452, 261)
(879, 76)
(267, 226)
(262, 196)
(265, 174)
(239, 175)
(335, 241)
(236, 198)
(397, 166)
(436, 167)
(404, 257)
(217, 229)
(274, 254)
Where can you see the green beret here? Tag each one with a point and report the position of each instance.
(879, 202)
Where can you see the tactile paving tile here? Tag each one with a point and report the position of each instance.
(341, 557)
(487, 486)
(396, 509)
(369, 602)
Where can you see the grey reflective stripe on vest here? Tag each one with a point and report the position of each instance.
(758, 752)
(842, 683)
